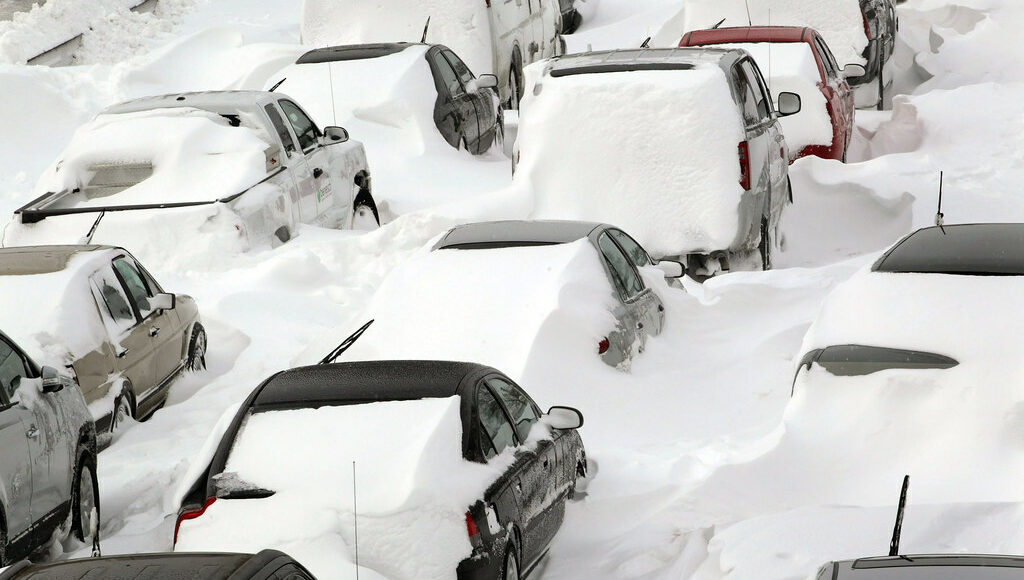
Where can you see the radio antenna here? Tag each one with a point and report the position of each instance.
(939, 216)
(646, 43)
(894, 545)
(747, 4)
(425, 28)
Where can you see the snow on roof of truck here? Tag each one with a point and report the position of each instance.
(214, 101)
(638, 59)
(354, 52)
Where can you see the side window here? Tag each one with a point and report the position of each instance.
(747, 98)
(281, 128)
(632, 249)
(463, 72)
(12, 369)
(304, 127)
(626, 278)
(827, 60)
(764, 106)
(448, 77)
(496, 433)
(520, 407)
(110, 291)
(137, 289)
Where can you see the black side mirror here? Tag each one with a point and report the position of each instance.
(564, 418)
(51, 380)
(789, 104)
(334, 135)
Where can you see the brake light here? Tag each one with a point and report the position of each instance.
(744, 153)
(603, 346)
(867, 26)
(191, 515)
(488, 3)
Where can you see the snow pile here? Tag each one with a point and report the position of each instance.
(29, 34)
(412, 489)
(198, 156)
(57, 320)
(790, 67)
(462, 25)
(660, 161)
(490, 306)
(840, 22)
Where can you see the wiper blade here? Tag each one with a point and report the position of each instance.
(345, 344)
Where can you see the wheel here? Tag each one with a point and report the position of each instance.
(881, 87)
(196, 349)
(86, 503)
(3, 547)
(122, 412)
(764, 247)
(515, 84)
(511, 571)
(364, 212)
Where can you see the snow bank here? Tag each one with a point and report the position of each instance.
(653, 152)
(462, 25)
(29, 34)
(413, 489)
(196, 156)
(488, 306)
(790, 67)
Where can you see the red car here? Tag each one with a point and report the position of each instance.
(832, 82)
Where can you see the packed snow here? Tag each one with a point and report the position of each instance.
(707, 468)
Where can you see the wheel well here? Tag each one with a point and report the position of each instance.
(361, 180)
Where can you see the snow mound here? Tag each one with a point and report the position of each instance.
(195, 155)
(462, 25)
(50, 24)
(412, 484)
(660, 162)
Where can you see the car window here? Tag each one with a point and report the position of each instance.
(760, 89)
(12, 369)
(281, 128)
(632, 249)
(747, 98)
(496, 433)
(463, 72)
(626, 278)
(134, 283)
(522, 410)
(448, 77)
(304, 127)
(114, 299)
(827, 60)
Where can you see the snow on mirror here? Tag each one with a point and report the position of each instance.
(563, 418)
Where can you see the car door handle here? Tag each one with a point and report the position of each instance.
(317, 172)
(154, 330)
(123, 353)
(32, 432)
(639, 325)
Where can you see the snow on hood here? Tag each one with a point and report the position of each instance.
(56, 319)
(413, 489)
(653, 152)
(196, 156)
(462, 25)
(488, 306)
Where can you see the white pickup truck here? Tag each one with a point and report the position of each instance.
(248, 165)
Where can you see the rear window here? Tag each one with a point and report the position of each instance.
(970, 249)
(619, 67)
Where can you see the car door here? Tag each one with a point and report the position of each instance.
(454, 112)
(483, 109)
(318, 158)
(162, 326)
(132, 346)
(770, 143)
(631, 290)
(841, 95)
(298, 167)
(291, 152)
(17, 461)
(654, 309)
(539, 30)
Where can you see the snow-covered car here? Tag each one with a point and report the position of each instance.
(638, 310)
(798, 60)
(497, 38)
(931, 566)
(688, 155)
(441, 468)
(248, 165)
(266, 565)
(880, 27)
(466, 109)
(47, 457)
(99, 312)
(921, 311)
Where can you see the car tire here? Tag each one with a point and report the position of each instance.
(122, 411)
(510, 570)
(515, 82)
(3, 546)
(764, 247)
(196, 360)
(86, 501)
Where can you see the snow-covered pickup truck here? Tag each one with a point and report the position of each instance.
(246, 166)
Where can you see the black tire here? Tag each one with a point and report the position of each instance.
(764, 247)
(515, 82)
(88, 484)
(510, 570)
(364, 201)
(196, 360)
(122, 410)
(3, 546)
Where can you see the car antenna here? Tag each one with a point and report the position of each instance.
(345, 344)
(717, 24)
(425, 28)
(894, 545)
(747, 4)
(279, 83)
(940, 218)
(646, 43)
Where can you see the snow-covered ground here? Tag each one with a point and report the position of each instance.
(704, 466)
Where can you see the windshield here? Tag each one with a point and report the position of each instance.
(933, 568)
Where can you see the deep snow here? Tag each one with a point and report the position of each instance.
(704, 463)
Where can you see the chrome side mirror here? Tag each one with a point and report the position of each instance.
(334, 135)
(164, 301)
(51, 380)
(563, 418)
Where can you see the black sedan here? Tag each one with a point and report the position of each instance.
(509, 528)
(932, 567)
(266, 565)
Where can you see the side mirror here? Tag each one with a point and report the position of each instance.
(51, 380)
(163, 301)
(564, 418)
(334, 135)
(671, 268)
(852, 71)
(487, 82)
(789, 104)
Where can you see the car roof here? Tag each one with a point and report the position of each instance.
(863, 566)
(221, 102)
(635, 59)
(200, 566)
(354, 52)
(748, 34)
(968, 249)
(513, 233)
(364, 382)
(28, 260)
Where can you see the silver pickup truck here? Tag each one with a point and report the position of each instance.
(251, 163)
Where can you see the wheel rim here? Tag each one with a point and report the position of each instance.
(121, 415)
(363, 218)
(86, 501)
(198, 361)
(512, 568)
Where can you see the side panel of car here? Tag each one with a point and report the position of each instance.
(15, 467)
(455, 112)
(634, 295)
(838, 95)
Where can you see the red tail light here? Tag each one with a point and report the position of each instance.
(603, 346)
(471, 526)
(191, 515)
(744, 152)
(867, 26)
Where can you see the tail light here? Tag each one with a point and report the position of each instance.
(744, 153)
(191, 515)
(867, 27)
(472, 530)
(603, 346)
(488, 3)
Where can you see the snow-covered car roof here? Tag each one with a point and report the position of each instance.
(354, 52)
(991, 249)
(637, 59)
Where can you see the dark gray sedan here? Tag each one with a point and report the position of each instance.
(267, 565)
(639, 311)
(926, 567)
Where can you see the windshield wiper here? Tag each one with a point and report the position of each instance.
(345, 344)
